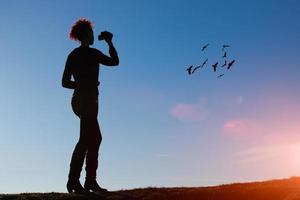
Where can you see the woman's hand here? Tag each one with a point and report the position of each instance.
(105, 35)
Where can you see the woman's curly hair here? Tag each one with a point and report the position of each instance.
(80, 28)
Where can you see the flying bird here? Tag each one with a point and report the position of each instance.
(205, 46)
(204, 63)
(225, 54)
(220, 75)
(224, 64)
(196, 68)
(225, 46)
(200, 66)
(215, 66)
(189, 69)
(230, 64)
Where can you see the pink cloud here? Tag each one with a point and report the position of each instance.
(189, 112)
(240, 128)
(235, 126)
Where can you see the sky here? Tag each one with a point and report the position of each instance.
(160, 126)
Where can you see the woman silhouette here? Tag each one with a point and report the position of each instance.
(83, 64)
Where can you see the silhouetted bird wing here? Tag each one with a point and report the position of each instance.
(215, 66)
(230, 64)
(189, 69)
(205, 46)
(195, 69)
(220, 75)
(224, 64)
(204, 63)
(225, 46)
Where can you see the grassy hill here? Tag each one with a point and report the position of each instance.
(285, 189)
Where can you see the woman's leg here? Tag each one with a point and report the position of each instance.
(95, 139)
(93, 150)
(88, 144)
(79, 152)
(92, 160)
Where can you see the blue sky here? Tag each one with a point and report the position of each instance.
(160, 126)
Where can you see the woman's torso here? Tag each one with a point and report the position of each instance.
(85, 70)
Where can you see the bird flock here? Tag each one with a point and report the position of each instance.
(228, 64)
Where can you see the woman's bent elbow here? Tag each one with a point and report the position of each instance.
(63, 84)
(117, 62)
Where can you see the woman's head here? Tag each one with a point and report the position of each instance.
(82, 30)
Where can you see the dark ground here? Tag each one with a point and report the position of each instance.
(285, 189)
